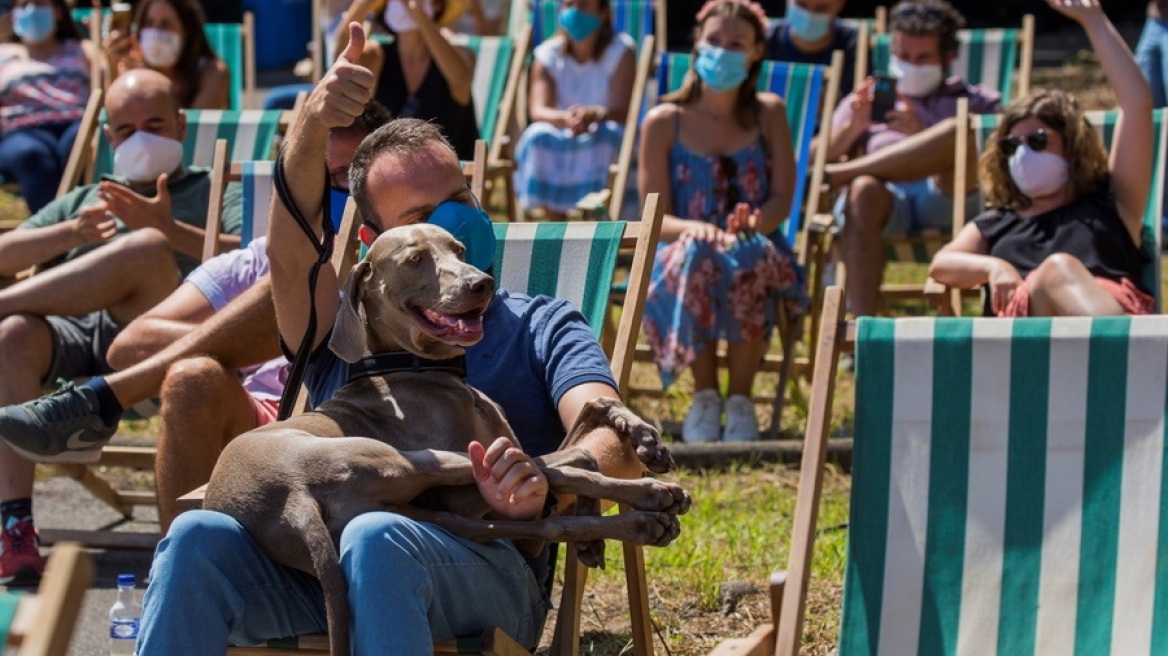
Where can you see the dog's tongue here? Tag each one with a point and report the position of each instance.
(462, 325)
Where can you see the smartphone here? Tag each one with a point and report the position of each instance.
(883, 97)
(121, 13)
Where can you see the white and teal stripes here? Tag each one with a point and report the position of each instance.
(987, 57)
(257, 199)
(492, 66)
(571, 261)
(633, 17)
(1008, 488)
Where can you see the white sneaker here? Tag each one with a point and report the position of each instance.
(741, 422)
(704, 417)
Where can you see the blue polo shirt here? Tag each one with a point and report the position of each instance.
(533, 351)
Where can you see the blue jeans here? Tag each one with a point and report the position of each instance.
(35, 158)
(410, 583)
(1152, 56)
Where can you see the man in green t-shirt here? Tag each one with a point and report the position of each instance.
(112, 250)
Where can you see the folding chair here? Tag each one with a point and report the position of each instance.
(807, 89)
(42, 624)
(948, 300)
(637, 18)
(235, 45)
(990, 57)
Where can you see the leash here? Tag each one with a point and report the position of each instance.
(324, 251)
(381, 364)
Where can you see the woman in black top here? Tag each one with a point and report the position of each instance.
(1065, 235)
(419, 73)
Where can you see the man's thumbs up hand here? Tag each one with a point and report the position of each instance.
(341, 96)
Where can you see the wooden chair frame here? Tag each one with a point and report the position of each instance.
(43, 624)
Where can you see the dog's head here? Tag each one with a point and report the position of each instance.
(413, 291)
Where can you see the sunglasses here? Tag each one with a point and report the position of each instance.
(1037, 141)
(911, 10)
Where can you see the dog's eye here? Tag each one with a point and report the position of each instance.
(459, 250)
(415, 258)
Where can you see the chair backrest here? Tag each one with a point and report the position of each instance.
(256, 180)
(1104, 123)
(637, 18)
(1008, 489)
(802, 86)
(992, 58)
(249, 134)
(234, 44)
(493, 57)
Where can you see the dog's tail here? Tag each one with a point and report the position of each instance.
(327, 564)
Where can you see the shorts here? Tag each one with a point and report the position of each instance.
(266, 410)
(1124, 291)
(80, 345)
(916, 207)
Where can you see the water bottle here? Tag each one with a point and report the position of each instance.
(123, 618)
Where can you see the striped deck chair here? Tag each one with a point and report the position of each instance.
(498, 60)
(992, 57)
(1104, 122)
(235, 45)
(637, 18)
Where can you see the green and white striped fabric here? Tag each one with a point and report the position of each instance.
(492, 66)
(257, 199)
(637, 18)
(800, 85)
(1008, 488)
(249, 134)
(573, 261)
(985, 57)
(227, 42)
(1104, 123)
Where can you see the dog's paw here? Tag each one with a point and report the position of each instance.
(665, 497)
(591, 553)
(643, 437)
(652, 529)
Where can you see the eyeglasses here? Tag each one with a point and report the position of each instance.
(906, 10)
(1037, 141)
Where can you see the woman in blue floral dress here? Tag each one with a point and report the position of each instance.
(720, 155)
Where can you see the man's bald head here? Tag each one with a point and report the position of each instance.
(143, 99)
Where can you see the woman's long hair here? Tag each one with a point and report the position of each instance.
(747, 108)
(66, 28)
(604, 33)
(1082, 148)
(195, 48)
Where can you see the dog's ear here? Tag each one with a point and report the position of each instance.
(349, 341)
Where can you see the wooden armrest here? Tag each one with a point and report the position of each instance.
(192, 500)
(934, 289)
(821, 223)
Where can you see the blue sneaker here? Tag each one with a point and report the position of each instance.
(64, 426)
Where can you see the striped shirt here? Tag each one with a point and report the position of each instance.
(34, 92)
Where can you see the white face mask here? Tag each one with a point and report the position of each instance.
(1038, 174)
(398, 17)
(160, 48)
(915, 80)
(145, 156)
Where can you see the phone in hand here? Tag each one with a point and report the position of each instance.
(883, 97)
(121, 13)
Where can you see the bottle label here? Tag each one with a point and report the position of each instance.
(124, 629)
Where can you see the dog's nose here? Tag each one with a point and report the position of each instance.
(480, 283)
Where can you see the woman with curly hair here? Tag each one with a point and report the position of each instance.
(1065, 228)
(720, 155)
(169, 38)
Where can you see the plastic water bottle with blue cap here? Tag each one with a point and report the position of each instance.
(124, 617)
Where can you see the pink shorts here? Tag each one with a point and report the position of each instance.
(1129, 297)
(266, 410)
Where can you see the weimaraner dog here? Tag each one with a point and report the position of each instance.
(398, 442)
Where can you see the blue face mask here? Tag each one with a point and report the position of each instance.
(808, 25)
(33, 23)
(337, 199)
(579, 24)
(721, 70)
(470, 225)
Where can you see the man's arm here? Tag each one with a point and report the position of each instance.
(613, 457)
(337, 100)
(52, 233)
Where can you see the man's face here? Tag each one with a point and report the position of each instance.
(150, 111)
(921, 50)
(338, 156)
(406, 189)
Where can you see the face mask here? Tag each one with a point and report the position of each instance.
(916, 81)
(337, 200)
(1038, 174)
(470, 225)
(721, 70)
(399, 19)
(33, 23)
(160, 48)
(808, 25)
(145, 156)
(578, 24)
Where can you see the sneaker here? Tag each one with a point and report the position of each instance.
(704, 417)
(60, 427)
(741, 422)
(20, 556)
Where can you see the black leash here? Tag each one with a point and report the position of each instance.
(381, 364)
(324, 251)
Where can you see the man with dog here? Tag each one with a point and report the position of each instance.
(409, 583)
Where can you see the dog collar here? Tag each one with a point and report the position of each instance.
(381, 364)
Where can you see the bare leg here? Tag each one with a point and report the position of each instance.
(869, 208)
(26, 349)
(744, 359)
(705, 368)
(203, 408)
(1062, 286)
(128, 276)
(242, 333)
(929, 152)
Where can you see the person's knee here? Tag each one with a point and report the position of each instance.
(25, 344)
(868, 197)
(25, 154)
(376, 535)
(148, 247)
(1056, 270)
(196, 380)
(200, 538)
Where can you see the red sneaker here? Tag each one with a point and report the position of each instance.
(20, 557)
